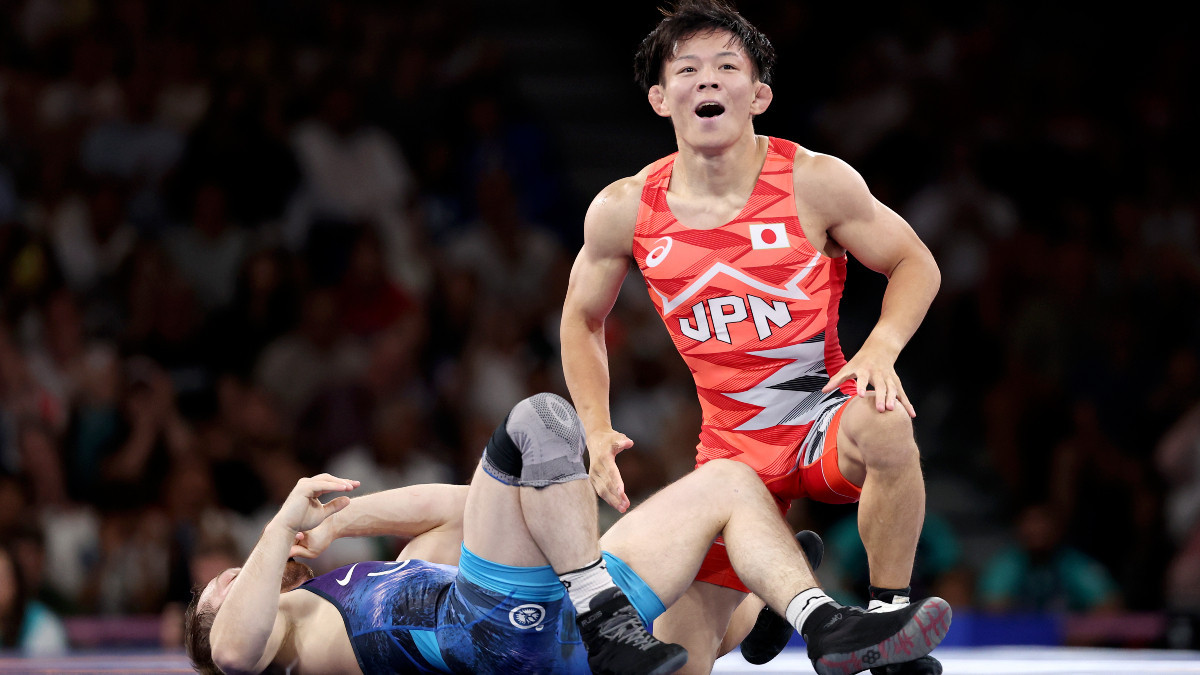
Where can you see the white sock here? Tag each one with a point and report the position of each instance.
(803, 604)
(898, 602)
(584, 583)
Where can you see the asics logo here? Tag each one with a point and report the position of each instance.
(656, 254)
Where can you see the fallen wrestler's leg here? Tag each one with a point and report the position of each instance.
(760, 630)
(530, 504)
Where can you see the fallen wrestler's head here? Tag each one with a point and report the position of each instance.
(207, 600)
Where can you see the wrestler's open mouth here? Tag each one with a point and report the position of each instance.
(710, 109)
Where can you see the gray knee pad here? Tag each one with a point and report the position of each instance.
(541, 442)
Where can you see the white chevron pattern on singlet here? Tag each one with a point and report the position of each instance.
(790, 290)
(785, 406)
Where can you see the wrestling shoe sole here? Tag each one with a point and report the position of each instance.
(918, 637)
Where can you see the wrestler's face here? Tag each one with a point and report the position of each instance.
(213, 595)
(216, 590)
(710, 91)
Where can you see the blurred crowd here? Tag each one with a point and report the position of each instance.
(244, 242)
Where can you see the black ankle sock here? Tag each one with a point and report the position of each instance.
(886, 595)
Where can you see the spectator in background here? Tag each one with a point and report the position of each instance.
(136, 148)
(1178, 461)
(352, 172)
(26, 624)
(518, 262)
(266, 303)
(1100, 486)
(242, 143)
(342, 414)
(370, 300)
(58, 354)
(1040, 572)
(317, 353)
(208, 251)
(28, 544)
(92, 236)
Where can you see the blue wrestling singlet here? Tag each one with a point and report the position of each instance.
(412, 616)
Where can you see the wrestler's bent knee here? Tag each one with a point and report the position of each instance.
(540, 443)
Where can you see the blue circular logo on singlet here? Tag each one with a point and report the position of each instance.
(527, 616)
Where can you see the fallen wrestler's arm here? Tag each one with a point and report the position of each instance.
(248, 630)
(431, 514)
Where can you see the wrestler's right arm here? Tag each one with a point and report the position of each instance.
(596, 278)
(249, 628)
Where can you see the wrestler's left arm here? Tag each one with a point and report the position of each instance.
(882, 241)
(413, 511)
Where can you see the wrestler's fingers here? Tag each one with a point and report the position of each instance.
(883, 393)
(842, 375)
(320, 485)
(908, 406)
(611, 489)
(331, 478)
(335, 505)
(893, 393)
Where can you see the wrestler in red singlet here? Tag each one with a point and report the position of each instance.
(752, 307)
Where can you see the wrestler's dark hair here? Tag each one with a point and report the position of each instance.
(197, 627)
(686, 18)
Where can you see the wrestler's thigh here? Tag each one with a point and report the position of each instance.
(698, 621)
(665, 539)
(494, 524)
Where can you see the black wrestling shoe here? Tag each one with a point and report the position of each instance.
(926, 665)
(617, 642)
(771, 632)
(844, 640)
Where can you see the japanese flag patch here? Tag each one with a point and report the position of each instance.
(768, 235)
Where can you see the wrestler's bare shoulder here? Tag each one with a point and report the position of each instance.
(813, 169)
(828, 187)
(612, 215)
(621, 197)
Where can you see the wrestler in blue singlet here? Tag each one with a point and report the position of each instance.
(417, 617)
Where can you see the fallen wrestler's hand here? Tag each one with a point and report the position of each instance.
(312, 543)
(303, 511)
(603, 448)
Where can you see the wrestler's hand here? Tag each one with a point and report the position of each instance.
(302, 510)
(877, 368)
(312, 543)
(606, 480)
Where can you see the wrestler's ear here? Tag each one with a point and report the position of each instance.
(658, 101)
(763, 95)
